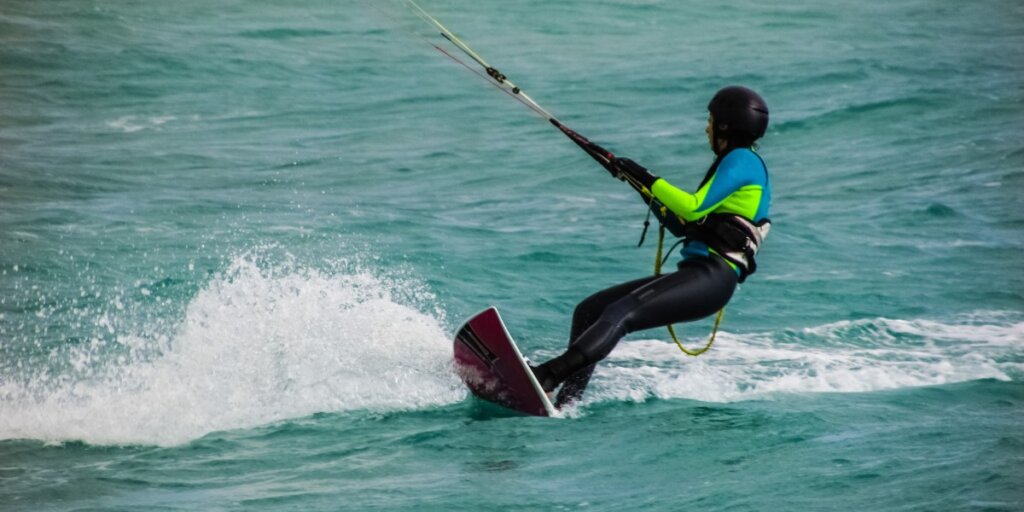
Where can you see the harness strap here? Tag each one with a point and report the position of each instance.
(733, 237)
(658, 261)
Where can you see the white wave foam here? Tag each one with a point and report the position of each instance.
(860, 356)
(255, 346)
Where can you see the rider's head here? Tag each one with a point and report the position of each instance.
(738, 116)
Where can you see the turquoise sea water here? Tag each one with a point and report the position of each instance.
(236, 237)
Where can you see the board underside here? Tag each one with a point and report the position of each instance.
(489, 362)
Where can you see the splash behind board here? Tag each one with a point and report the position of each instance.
(492, 367)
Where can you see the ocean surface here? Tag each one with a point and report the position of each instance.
(236, 238)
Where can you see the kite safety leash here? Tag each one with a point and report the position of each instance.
(658, 262)
(604, 157)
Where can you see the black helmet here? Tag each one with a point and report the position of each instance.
(738, 110)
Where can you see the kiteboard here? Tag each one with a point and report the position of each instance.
(489, 362)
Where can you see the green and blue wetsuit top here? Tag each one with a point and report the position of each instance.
(735, 196)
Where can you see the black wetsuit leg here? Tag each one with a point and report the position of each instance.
(587, 312)
(700, 287)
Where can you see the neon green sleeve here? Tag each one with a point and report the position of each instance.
(682, 203)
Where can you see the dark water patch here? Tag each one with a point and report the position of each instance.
(544, 256)
(866, 476)
(441, 155)
(167, 282)
(1010, 443)
(1015, 154)
(26, 64)
(940, 210)
(312, 162)
(498, 466)
(284, 33)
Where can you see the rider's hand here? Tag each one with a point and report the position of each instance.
(624, 168)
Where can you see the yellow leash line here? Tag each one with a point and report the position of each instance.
(671, 330)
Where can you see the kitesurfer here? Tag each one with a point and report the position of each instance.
(722, 223)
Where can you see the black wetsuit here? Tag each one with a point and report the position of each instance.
(699, 287)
